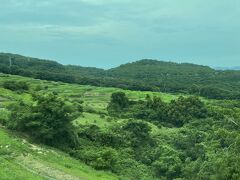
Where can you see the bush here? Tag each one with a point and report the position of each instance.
(118, 103)
(174, 114)
(168, 165)
(100, 158)
(133, 170)
(19, 86)
(47, 120)
(3, 117)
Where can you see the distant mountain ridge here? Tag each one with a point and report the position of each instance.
(235, 68)
(158, 68)
(144, 75)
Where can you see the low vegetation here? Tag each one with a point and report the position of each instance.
(47, 119)
(19, 86)
(132, 134)
(22, 159)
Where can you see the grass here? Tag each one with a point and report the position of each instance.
(104, 122)
(20, 159)
(96, 96)
(12, 171)
(11, 147)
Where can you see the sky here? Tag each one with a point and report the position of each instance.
(107, 33)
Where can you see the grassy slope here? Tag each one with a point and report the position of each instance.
(14, 164)
(20, 159)
(93, 97)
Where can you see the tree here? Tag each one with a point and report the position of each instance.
(183, 110)
(118, 103)
(168, 165)
(19, 86)
(138, 132)
(47, 120)
(100, 158)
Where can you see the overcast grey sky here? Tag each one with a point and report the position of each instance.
(107, 33)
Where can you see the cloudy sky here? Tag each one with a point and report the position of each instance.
(106, 33)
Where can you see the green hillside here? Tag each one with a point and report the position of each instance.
(145, 75)
(151, 135)
(20, 159)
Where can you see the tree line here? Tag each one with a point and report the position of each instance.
(144, 75)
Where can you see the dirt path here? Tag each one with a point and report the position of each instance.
(41, 169)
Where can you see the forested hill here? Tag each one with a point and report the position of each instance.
(159, 68)
(37, 67)
(148, 75)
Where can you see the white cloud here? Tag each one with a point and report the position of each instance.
(163, 24)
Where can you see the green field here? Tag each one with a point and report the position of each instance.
(95, 98)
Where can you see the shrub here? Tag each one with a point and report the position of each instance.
(101, 158)
(3, 117)
(19, 86)
(47, 120)
(118, 103)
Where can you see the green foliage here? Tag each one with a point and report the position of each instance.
(131, 169)
(223, 166)
(4, 116)
(183, 110)
(176, 113)
(101, 158)
(162, 136)
(144, 75)
(20, 159)
(138, 133)
(19, 86)
(118, 103)
(47, 120)
(168, 167)
(117, 148)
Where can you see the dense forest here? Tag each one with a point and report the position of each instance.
(144, 75)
